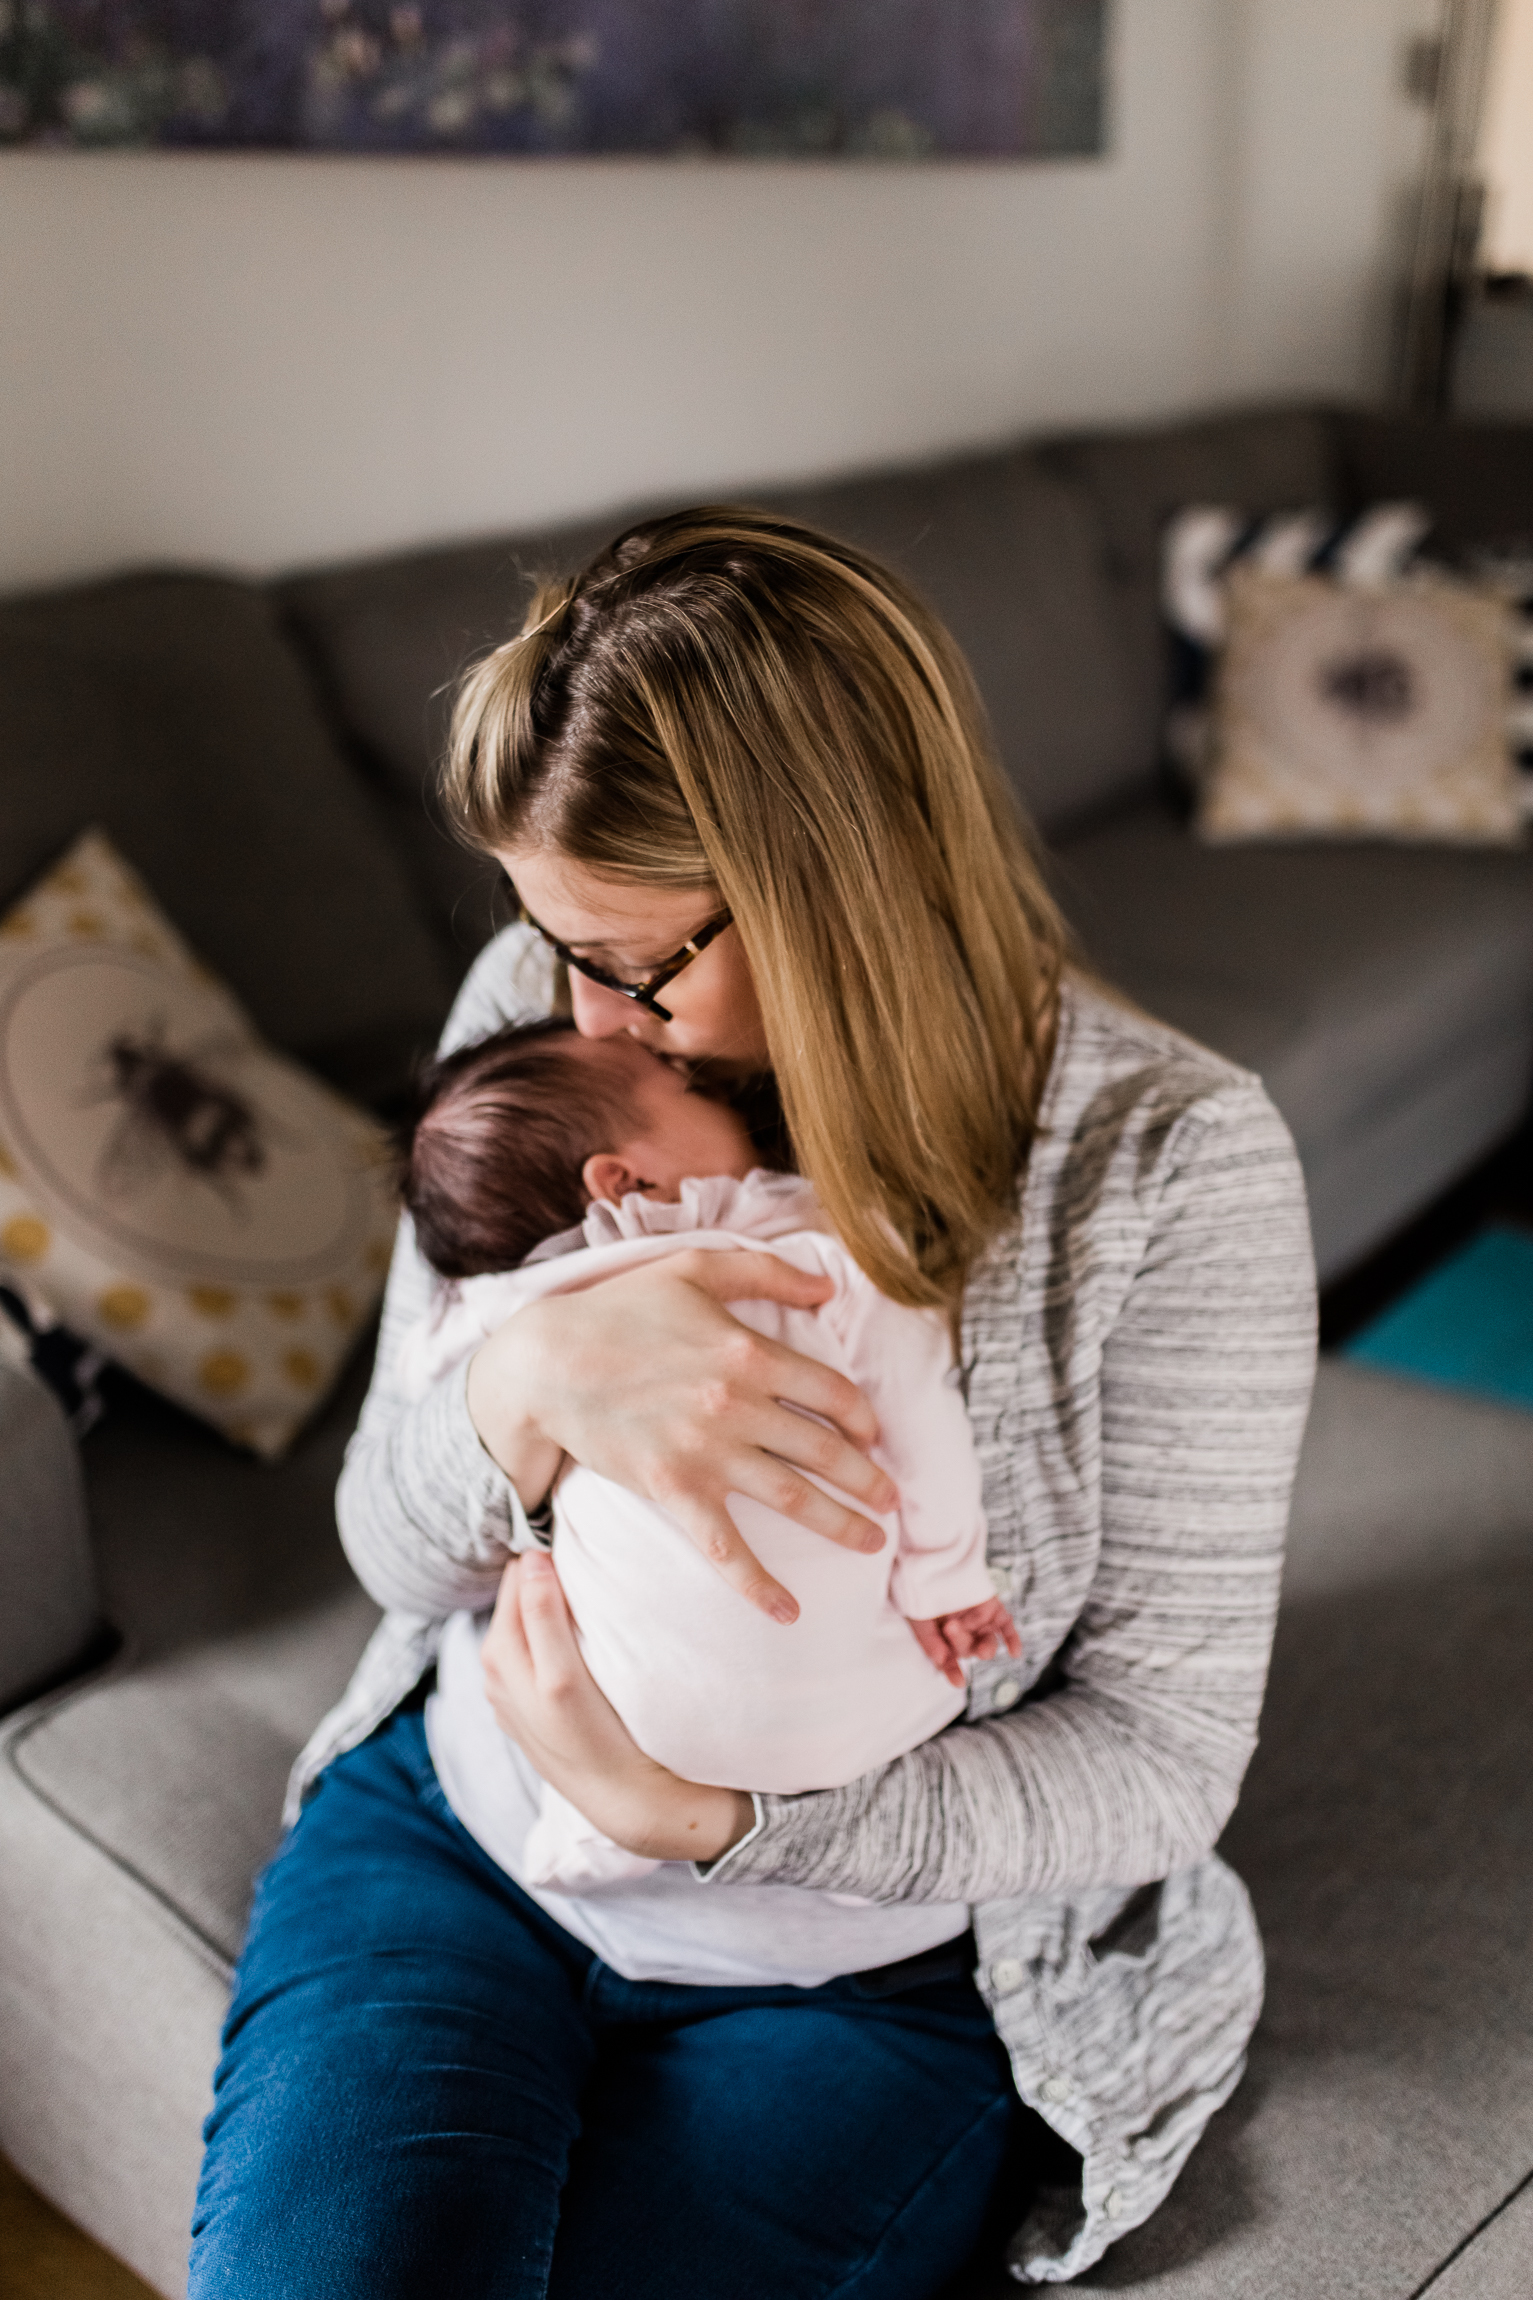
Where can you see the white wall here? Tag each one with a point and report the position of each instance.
(261, 361)
(1506, 145)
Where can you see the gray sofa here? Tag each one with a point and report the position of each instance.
(173, 1627)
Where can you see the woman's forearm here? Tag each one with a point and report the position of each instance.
(426, 1517)
(1062, 1797)
(499, 1396)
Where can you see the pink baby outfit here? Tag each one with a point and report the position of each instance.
(705, 1683)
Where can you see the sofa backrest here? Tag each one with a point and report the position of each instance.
(385, 641)
(1008, 553)
(170, 710)
(1476, 478)
(1272, 460)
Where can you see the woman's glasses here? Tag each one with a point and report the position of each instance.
(644, 993)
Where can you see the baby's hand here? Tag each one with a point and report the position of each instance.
(975, 1634)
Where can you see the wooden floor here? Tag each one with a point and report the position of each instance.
(43, 2256)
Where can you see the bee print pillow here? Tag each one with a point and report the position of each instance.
(205, 1211)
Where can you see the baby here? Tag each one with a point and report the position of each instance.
(543, 1162)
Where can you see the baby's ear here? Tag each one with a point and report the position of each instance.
(605, 1175)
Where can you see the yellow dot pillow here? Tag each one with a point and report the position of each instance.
(203, 1209)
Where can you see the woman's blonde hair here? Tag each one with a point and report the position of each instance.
(727, 701)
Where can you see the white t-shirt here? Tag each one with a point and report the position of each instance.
(667, 1926)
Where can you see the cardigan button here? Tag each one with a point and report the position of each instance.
(1006, 1695)
(1112, 2204)
(1058, 2088)
(1007, 1975)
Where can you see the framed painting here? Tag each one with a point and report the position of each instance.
(808, 79)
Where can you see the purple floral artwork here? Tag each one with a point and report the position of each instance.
(826, 79)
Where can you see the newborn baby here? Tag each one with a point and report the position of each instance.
(543, 1162)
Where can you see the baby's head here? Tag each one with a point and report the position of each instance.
(517, 1135)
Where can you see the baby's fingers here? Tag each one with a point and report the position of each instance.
(929, 1636)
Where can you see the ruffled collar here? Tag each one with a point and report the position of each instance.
(764, 1205)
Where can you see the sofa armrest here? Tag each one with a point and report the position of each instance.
(48, 1607)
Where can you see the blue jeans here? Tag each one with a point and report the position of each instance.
(429, 2088)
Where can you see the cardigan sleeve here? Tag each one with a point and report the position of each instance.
(426, 1517)
(1129, 1767)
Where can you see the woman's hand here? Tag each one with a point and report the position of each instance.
(546, 1699)
(647, 1379)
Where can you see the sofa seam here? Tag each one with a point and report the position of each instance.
(1419, 2291)
(120, 1665)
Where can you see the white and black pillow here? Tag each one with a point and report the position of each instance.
(1204, 544)
(31, 1336)
(1508, 571)
(1201, 548)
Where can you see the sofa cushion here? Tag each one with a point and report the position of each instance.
(1274, 461)
(48, 1608)
(1006, 553)
(1351, 979)
(170, 710)
(240, 1623)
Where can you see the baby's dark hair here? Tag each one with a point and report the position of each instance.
(494, 1148)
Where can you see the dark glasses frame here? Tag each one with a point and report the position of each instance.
(642, 993)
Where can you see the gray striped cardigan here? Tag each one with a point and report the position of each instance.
(1138, 1352)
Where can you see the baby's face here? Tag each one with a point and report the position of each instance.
(672, 1134)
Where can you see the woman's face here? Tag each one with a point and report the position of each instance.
(630, 930)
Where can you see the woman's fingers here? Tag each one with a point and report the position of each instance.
(781, 1482)
(800, 1381)
(649, 1380)
(721, 1542)
(504, 1654)
(547, 1627)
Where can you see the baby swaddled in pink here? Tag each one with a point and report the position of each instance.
(706, 1684)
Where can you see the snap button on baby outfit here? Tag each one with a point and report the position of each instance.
(1007, 1975)
(1006, 1695)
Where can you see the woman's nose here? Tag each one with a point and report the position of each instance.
(603, 1013)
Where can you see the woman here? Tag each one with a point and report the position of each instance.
(738, 777)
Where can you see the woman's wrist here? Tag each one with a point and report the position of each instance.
(656, 1814)
(502, 1405)
(684, 1820)
(706, 1823)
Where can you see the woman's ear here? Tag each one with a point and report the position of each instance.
(605, 1175)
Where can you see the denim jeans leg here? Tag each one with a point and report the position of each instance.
(397, 2096)
(805, 2143)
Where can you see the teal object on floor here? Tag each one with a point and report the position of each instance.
(1468, 1326)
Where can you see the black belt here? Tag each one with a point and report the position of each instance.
(950, 1961)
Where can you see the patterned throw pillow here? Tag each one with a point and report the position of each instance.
(1508, 574)
(1201, 548)
(179, 1195)
(1362, 712)
(31, 1336)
